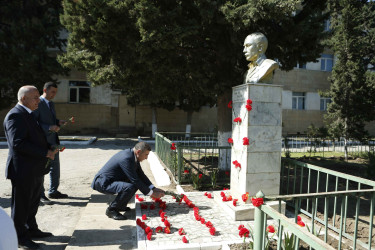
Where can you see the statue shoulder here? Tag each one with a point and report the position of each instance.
(270, 64)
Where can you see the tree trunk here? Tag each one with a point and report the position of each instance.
(188, 123)
(224, 120)
(154, 122)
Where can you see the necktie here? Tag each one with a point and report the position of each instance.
(51, 108)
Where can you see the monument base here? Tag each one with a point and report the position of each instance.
(243, 211)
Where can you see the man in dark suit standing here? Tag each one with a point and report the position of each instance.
(123, 175)
(25, 167)
(46, 116)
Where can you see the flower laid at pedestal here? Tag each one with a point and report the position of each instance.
(245, 197)
(257, 201)
(230, 140)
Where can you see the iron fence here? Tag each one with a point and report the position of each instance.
(332, 199)
(199, 153)
(301, 144)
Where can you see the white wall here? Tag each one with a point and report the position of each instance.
(312, 101)
(286, 99)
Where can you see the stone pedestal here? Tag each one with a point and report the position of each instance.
(261, 159)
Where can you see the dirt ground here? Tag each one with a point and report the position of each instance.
(79, 164)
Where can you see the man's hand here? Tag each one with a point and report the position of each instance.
(54, 128)
(51, 154)
(157, 193)
(62, 122)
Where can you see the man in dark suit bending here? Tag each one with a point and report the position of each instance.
(26, 165)
(123, 175)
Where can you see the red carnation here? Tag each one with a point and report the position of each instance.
(72, 119)
(173, 147)
(249, 107)
(212, 231)
(230, 140)
(235, 202)
(271, 229)
(245, 141)
(230, 104)
(144, 217)
(209, 196)
(186, 171)
(159, 229)
(209, 224)
(200, 176)
(257, 201)
(140, 199)
(148, 230)
(149, 236)
(249, 102)
(240, 227)
(62, 149)
(237, 119)
(203, 220)
(167, 224)
(167, 230)
(299, 218)
(244, 232)
(222, 194)
(245, 197)
(181, 231)
(184, 240)
(301, 223)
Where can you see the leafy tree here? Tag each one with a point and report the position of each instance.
(352, 86)
(185, 52)
(28, 29)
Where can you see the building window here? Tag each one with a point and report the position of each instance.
(327, 25)
(79, 91)
(298, 100)
(326, 62)
(301, 66)
(324, 101)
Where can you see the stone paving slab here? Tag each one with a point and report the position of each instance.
(180, 215)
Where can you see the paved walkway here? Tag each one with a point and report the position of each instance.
(96, 231)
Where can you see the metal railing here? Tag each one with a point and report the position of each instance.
(198, 152)
(326, 196)
(302, 144)
(310, 235)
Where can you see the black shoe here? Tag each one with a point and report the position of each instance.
(114, 214)
(39, 234)
(44, 200)
(57, 195)
(28, 244)
(126, 209)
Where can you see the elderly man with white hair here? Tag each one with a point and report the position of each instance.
(25, 166)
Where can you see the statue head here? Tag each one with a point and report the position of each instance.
(255, 45)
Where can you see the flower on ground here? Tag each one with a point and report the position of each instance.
(249, 102)
(159, 229)
(235, 202)
(184, 240)
(149, 236)
(181, 231)
(209, 196)
(144, 217)
(257, 201)
(143, 206)
(167, 230)
(222, 194)
(271, 229)
(237, 119)
(186, 171)
(230, 140)
(148, 230)
(167, 224)
(244, 232)
(212, 231)
(173, 147)
(245, 197)
(249, 107)
(209, 224)
(245, 141)
(205, 194)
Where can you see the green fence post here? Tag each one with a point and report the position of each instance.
(258, 225)
(179, 163)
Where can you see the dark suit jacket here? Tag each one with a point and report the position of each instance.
(122, 167)
(47, 118)
(27, 144)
